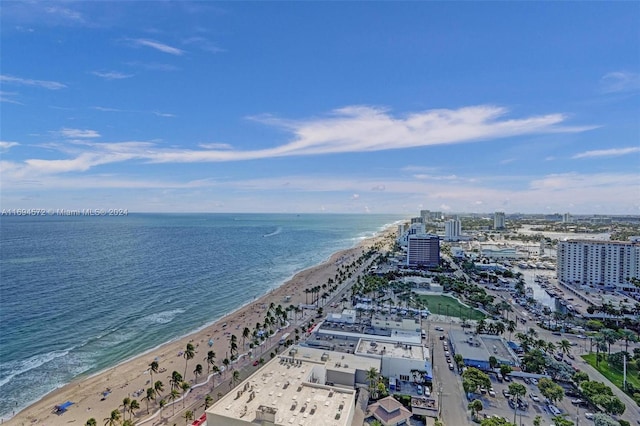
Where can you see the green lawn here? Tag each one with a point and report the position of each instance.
(439, 305)
(611, 373)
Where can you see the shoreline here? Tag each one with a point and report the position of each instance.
(127, 378)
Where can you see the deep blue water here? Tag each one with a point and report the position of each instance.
(81, 294)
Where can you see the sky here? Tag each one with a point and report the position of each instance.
(310, 107)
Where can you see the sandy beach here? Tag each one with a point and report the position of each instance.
(97, 396)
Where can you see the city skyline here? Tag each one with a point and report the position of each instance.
(321, 107)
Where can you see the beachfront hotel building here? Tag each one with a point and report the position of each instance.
(599, 263)
(498, 220)
(423, 250)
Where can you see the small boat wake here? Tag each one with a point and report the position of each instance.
(276, 232)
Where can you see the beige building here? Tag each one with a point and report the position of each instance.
(303, 388)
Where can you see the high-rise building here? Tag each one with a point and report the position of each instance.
(452, 230)
(498, 220)
(423, 250)
(566, 218)
(599, 263)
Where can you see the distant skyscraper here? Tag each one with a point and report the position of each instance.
(599, 263)
(423, 250)
(452, 230)
(566, 218)
(498, 220)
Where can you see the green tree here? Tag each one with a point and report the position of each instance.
(211, 360)
(537, 421)
(579, 377)
(493, 362)
(565, 346)
(561, 420)
(505, 369)
(628, 336)
(550, 389)
(158, 386)
(457, 358)
(125, 406)
(153, 368)
(517, 390)
(173, 396)
(475, 406)
(496, 421)
(601, 419)
(113, 419)
(372, 378)
(189, 353)
(91, 422)
(472, 378)
(208, 400)
(176, 379)
(133, 407)
(197, 372)
(188, 416)
(185, 388)
(151, 395)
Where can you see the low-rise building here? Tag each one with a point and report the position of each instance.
(476, 349)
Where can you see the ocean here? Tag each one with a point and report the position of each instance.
(81, 294)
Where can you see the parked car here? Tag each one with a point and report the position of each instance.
(506, 393)
(450, 366)
(439, 329)
(441, 337)
(534, 381)
(588, 415)
(492, 393)
(534, 397)
(577, 401)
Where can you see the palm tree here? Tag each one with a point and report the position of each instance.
(475, 406)
(189, 353)
(125, 406)
(151, 394)
(459, 360)
(208, 400)
(551, 347)
(537, 421)
(601, 344)
(185, 388)
(176, 379)
(245, 333)
(235, 378)
(133, 406)
(511, 327)
(188, 415)
(517, 390)
(628, 336)
(173, 396)
(158, 386)
(226, 363)
(153, 368)
(610, 336)
(211, 359)
(113, 419)
(565, 346)
(197, 372)
(372, 378)
(91, 422)
(500, 328)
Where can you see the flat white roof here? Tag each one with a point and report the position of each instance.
(393, 350)
(284, 388)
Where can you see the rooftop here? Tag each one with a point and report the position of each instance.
(390, 349)
(283, 392)
(480, 347)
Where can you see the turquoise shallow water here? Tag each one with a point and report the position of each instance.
(81, 294)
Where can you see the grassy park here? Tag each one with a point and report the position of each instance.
(443, 305)
(612, 373)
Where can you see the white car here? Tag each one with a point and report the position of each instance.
(534, 397)
(588, 415)
(439, 329)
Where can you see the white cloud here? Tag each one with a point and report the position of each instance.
(8, 97)
(163, 114)
(112, 75)
(215, 146)
(158, 46)
(51, 85)
(620, 81)
(5, 145)
(355, 196)
(79, 133)
(507, 160)
(612, 152)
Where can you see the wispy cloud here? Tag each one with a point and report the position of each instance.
(215, 146)
(351, 129)
(620, 81)
(79, 133)
(612, 152)
(158, 46)
(65, 13)
(8, 97)
(203, 44)
(111, 75)
(51, 85)
(156, 113)
(163, 114)
(6, 145)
